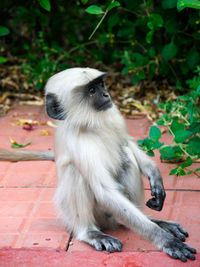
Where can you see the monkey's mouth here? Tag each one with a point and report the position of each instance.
(106, 105)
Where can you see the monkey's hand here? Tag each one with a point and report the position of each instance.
(178, 250)
(158, 193)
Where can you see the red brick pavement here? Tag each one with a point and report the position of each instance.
(28, 217)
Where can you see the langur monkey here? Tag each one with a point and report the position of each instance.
(99, 167)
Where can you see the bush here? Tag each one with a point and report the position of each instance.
(147, 39)
(182, 119)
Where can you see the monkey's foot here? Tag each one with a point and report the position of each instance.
(101, 241)
(178, 250)
(173, 228)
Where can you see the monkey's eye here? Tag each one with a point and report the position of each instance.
(92, 91)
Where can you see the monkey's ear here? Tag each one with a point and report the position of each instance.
(54, 108)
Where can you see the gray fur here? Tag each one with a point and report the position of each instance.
(99, 170)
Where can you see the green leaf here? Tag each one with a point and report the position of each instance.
(197, 170)
(174, 171)
(2, 60)
(194, 146)
(160, 122)
(167, 153)
(194, 127)
(150, 153)
(19, 145)
(45, 4)
(154, 133)
(149, 36)
(178, 171)
(84, 2)
(169, 51)
(181, 136)
(181, 172)
(4, 31)
(177, 126)
(192, 58)
(189, 161)
(181, 4)
(140, 142)
(95, 10)
(168, 3)
(156, 20)
(112, 5)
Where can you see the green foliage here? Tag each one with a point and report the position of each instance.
(45, 4)
(181, 4)
(40, 68)
(95, 10)
(148, 39)
(4, 31)
(182, 118)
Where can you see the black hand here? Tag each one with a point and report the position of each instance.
(156, 203)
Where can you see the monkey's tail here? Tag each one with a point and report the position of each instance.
(22, 155)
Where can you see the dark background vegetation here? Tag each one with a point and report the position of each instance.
(147, 39)
(150, 45)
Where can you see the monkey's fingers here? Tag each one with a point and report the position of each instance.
(159, 194)
(154, 204)
(178, 250)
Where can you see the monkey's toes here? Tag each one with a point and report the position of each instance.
(108, 243)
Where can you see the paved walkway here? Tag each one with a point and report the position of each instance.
(30, 233)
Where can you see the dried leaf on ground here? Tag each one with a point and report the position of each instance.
(15, 144)
(25, 122)
(51, 124)
(45, 132)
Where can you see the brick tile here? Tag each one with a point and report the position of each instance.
(12, 130)
(25, 110)
(46, 225)
(45, 210)
(187, 214)
(19, 194)
(30, 166)
(48, 240)
(6, 240)
(47, 194)
(4, 167)
(11, 225)
(138, 127)
(14, 209)
(51, 179)
(37, 141)
(23, 179)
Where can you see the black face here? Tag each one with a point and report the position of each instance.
(98, 95)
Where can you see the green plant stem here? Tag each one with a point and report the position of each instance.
(74, 49)
(195, 173)
(101, 20)
(130, 11)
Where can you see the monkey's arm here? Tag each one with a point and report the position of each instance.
(150, 170)
(22, 155)
(108, 193)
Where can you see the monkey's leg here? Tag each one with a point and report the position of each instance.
(173, 228)
(128, 214)
(77, 205)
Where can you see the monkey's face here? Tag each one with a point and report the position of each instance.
(97, 95)
(78, 95)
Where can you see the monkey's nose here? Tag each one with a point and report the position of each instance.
(105, 94)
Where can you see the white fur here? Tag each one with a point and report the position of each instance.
(88, 151)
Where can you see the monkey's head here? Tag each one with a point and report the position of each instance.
(78, 95)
